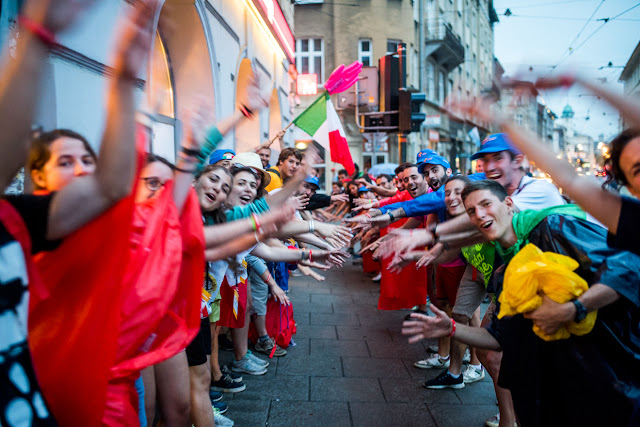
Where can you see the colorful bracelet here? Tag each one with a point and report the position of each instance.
(453, 328)
(256, 222)
(43, 34)
(310, 255)
(246, 111)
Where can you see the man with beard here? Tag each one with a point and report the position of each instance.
(592, 379)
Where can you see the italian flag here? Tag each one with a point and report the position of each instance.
(322, 123)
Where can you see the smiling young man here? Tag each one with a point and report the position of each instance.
(549, 380)
(288, 164)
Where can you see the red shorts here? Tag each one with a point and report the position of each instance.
(227, 318)
(448, 281)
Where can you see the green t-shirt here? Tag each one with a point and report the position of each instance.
(481, 256)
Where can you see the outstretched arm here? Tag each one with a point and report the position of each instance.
(87, 197)
(21, 77)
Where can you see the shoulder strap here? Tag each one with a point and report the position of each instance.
(274, 170)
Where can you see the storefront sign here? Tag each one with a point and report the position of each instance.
(274, 18)
(432, 121)
(434, 136)
(307, 84)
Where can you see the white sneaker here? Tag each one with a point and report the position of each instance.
(433, 361)
(255, 359)
(221, 420)
(467, 356)
(377, 277)
(246, 365)
(472, 375)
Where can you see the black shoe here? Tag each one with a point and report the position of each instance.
(225, 343)
(236, 377)
(408, 316)
(226, 385)
(215, 396)
(445, 380)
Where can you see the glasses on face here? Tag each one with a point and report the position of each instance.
(153, 183)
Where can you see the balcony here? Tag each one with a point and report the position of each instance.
(443, 46)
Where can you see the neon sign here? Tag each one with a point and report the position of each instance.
(307, 84)
(274, 18)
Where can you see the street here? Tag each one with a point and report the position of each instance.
(351, 366)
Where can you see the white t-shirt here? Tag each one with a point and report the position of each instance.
(536, 194)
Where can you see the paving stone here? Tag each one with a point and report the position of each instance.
(283, 387)
(339, 307)
(391, 414)
(324, 332)
(346, 389)
(369, 333)
(461, 415)
(374, 368)
(412, 391)
(353, 348)
(329, 299)
(480, 393)
(309, 414)
(397, 349)
(335, 319)
(319, 365)
(311, 307)
(248, 413)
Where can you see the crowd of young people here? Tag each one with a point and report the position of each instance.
(468, 229)
(123, 275)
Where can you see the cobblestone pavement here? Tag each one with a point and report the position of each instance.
(352, 367)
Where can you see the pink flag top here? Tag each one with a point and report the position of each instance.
(343, 77)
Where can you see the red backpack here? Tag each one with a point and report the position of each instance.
(279, 323)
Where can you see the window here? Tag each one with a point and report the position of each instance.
(310, 57)
(441, 83)
(431, 81)
(450, 87)
(365, 52)
(392, 46)
(519, 119)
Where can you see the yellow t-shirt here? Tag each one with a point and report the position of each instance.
(276, 181)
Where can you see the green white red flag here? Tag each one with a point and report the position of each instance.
(322, 123)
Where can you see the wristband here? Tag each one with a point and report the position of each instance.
(246, 111)
(312, 226)
(391, 216)
(432, 229)
(38, 30)
(453, 328)
(256, 223)
(310, 255)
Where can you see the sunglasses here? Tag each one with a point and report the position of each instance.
(251, 168)
(153, 183)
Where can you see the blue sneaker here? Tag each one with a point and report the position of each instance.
(221, 407)
(215, 396)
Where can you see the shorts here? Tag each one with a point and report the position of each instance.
(447, 282)
(227, 317)
(200, 347)
(471, 292)
(259, 288)
(215, 309)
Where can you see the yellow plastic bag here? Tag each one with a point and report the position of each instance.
(532, 274)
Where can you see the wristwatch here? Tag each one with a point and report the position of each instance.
(581, 311)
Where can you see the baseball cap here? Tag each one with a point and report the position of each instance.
(218, 155)
(362, 189)
(424, 153)
(494, 144)
(433, 159)
(313, 180)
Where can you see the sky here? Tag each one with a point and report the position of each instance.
(539, 34)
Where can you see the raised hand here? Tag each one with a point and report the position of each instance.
(134, 43)
(561, 80)
(256, 96)
(421, 327)
(56, 15)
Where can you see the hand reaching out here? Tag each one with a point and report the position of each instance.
(56, 15)
(279, 295)
(256, 96)
(421, 327)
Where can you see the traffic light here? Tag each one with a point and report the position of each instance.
(409, 115)
(389, 68)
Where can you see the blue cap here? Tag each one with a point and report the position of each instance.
(494, 144)
(433, 159)
(363, 189)
(218, 155)
(313, 180)
(424, 153)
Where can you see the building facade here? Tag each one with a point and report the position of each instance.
(204, 52)
(449, 52)
(631, 75)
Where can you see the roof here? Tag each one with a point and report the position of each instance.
(632, 64)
